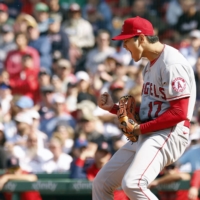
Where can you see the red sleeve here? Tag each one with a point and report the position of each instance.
(175, 114)
(195, 180)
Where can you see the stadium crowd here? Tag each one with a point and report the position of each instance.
(56, 57)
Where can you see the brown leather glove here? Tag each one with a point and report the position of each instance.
(126, 116)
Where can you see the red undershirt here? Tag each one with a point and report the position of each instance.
(176, 113)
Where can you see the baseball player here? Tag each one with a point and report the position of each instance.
(168, 99)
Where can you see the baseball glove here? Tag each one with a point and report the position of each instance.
(126, 116)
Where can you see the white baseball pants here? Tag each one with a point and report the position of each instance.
(134, 167)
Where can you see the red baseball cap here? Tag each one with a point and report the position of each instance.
(3, 7)
(133, 27)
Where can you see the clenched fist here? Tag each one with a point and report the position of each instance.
(105, 101)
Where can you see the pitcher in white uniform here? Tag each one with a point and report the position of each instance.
(168, 99)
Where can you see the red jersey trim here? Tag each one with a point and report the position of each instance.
(80, 163)
(181, 96)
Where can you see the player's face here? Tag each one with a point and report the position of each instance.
(132, 45)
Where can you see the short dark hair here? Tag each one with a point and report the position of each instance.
(151, 38)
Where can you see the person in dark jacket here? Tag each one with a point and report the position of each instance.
(59, 39)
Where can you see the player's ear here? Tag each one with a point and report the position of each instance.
(141, 38)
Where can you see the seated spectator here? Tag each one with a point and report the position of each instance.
(71, 96)
(13, 62)
(14, 7)
(169, 175)
(6, 43)
(26, 82)
(14, 172)
(193, 193)
(89, 124)
(88, 164)
(22, 23)
(60, 161)
(78, 29)
(4, 15)
(139, 8)
(5, 99)
(44, 77)
(97, 55)
(64, 71)
(18, 105)
(55, 8)
(191, 156)
(42, 44)
(85, 91)
(31, 155)
(192, 51)
(173, 12)
(98, 13)
(59, 113)
(66, 133)
(190, 18)
(41, 137)
(59, 39)
(41, 14)
(197, 78)
(23, 129)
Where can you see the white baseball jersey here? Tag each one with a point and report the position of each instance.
(170, 77)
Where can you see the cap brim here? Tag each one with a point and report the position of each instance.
(123, 37)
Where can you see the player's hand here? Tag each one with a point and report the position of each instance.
(105, 102)
(193, 193)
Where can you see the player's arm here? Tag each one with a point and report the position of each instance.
(176, 113)
(169, 178)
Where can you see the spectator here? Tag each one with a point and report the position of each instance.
(2, 136)
(89, 124)
(169, 175)
(23, 129)
(14, 172)
(66, 133)
(13, 62)
(98, 13)
(71, 96)
(5, 99)
(26, 82)
(97, 55)
(193, 193)
(60, 161)
(44, 77)
(31, 155)
(191, 156)
(190, 18)
(59, 39)
(88, 164)
(4, 15)
(42, 44)
(14, 7)
(192, 51)
(41, 13)
(64, 71)
(78, 29)
(197, 78)
(22, 23)
(59, 114)
(173, 12)
(55, 8)
(7, 43)
(139, 8)
(85, 91)
(41, 137)
(45, 110)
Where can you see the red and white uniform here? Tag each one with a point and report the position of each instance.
(168, 99)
